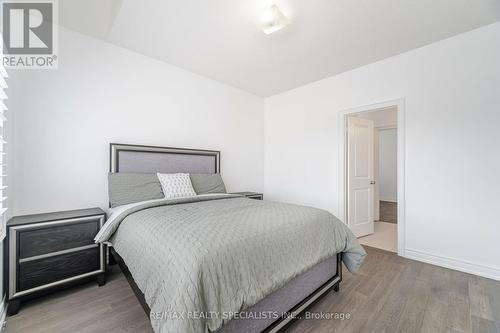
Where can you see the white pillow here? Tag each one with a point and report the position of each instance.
(176, 185)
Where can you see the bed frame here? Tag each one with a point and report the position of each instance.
(151, 159)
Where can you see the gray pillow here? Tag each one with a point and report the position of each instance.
(204, 183)
(125, 188)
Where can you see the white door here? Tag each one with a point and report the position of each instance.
(360, 181)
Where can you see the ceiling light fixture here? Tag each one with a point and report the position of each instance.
(272, 20)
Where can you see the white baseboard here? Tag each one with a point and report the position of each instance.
(459, 265)
(389, 200)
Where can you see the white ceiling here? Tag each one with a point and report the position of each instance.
(221, 39)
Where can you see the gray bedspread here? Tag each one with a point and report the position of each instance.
(200, 260)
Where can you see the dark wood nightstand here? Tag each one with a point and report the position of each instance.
(45, 252)
(251, 195)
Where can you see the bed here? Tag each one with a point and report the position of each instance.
(221, 262)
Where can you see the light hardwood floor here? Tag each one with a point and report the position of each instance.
(385, 237)
(389, 294)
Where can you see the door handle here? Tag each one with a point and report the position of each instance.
(372, 182)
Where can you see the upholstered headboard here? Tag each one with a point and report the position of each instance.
(151, 159)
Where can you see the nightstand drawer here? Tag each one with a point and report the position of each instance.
(57, 238)
(50, 251)
(34, 273)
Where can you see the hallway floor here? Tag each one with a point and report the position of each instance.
(389, 211)
(385, 237)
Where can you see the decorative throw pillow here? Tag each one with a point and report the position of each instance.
(176, 185)
(204, 183)
(125, 188)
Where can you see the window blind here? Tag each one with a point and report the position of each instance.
(4, 200)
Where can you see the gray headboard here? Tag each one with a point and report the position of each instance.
(151, 159)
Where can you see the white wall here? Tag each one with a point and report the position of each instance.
(388, 165)
(452, 92)
(66, 118)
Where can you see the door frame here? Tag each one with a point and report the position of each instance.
(342, 125)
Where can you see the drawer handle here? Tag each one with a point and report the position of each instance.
(52, 254)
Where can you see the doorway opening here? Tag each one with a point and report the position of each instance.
(372, 169)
